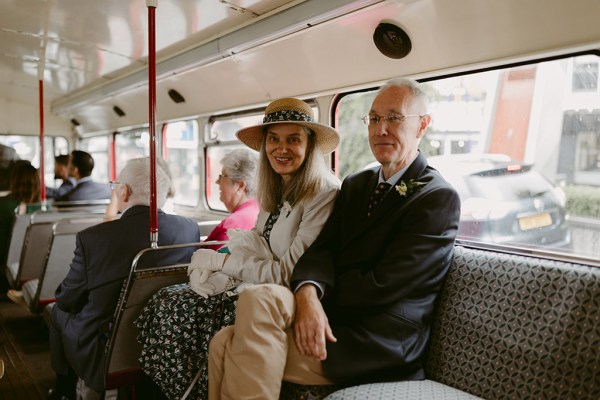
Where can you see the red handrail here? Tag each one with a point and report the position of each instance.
(42, 177)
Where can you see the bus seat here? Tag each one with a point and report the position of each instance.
(206, 227)
(122, 349)
(20, 229)
(39, 292)
(507, 326)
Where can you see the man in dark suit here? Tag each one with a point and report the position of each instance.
(81, 165)
(363, 293)
(61, 171)
(87, 298)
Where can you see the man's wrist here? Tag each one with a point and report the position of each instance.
(309, 287)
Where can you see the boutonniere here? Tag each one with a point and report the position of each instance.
(287, 208)
(405, 189)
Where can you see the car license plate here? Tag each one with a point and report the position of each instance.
(535, 221)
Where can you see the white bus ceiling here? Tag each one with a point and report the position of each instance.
(222, 56)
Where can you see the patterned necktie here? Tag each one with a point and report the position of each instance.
(377, 196)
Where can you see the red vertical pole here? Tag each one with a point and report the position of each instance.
(43, 184)
(112, 161)
(152, 4)
(40, 72)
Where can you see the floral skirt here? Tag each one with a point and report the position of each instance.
(176, 326)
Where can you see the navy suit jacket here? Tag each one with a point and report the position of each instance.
(382, 273)
(87, 190)
(66, 186)
(87, 298)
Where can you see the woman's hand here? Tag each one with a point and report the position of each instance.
(311, 326)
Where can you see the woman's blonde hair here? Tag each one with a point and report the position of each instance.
(310, 178)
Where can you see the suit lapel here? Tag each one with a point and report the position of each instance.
(393, 200)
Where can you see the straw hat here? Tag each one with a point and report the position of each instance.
(290, 111)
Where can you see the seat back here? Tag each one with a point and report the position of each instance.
(21, 222)
(58, 261)
(35, 250)
(123, 350)
(206, 227)
(70, 213)
(509, 326)
(82, 205)
(38, 233)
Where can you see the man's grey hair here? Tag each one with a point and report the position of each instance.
(418, 93)
(136, 174)
(240, 166)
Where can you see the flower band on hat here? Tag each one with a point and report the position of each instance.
(290, 111)
(286, 115)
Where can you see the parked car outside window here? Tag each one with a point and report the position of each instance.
(505, 202)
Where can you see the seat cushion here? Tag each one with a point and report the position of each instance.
(409, 390)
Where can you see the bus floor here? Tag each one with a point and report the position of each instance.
(25, 352)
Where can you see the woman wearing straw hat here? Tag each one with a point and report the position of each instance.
(296, 191)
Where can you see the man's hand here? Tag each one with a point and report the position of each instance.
(311, 326)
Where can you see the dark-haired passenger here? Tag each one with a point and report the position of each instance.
(23, 198)
(81, 165)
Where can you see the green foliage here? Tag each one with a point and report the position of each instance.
(583, 201)
(354, 150)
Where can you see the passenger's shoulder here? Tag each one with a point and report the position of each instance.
(331, 184)
(107, 228)
(360, 177)
(180, 220)
(327, 194)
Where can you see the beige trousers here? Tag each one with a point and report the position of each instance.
(250, 359)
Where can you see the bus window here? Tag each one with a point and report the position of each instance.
(97, 146)
(181, 153)
(490, 135)
(221, 140)
(129, 145)
(27, 148)
(353, 152)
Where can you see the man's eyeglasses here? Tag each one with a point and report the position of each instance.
(114, 184)
(390, 119)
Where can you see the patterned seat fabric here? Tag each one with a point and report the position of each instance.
(409, 390)
(293, 391)
(516, 327)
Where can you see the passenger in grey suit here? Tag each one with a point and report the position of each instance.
(87, 298)
(81, 165)
(61, 171)
(362, 294)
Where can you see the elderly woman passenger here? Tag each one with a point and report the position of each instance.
(236, 191)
